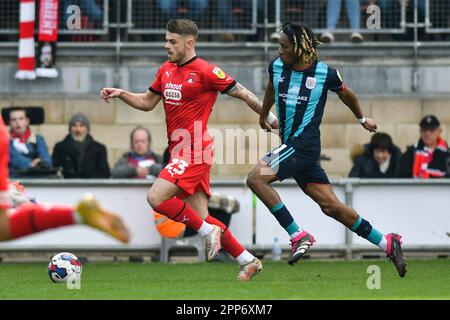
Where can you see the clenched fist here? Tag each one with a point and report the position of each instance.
(370, 125)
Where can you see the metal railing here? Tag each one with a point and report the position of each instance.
(9, 16)
(351, 195)
(126, 31)
(338, 16)
(102, 17)
(93, 16)
(213, 16)
(437, 15)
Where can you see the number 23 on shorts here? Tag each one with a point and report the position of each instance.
(177, 166)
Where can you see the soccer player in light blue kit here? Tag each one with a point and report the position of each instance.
(298, 84)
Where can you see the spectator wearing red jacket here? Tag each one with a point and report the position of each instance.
(430, 156)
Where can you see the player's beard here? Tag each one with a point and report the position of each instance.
(173, 59)
(177, 57)
(292, 63)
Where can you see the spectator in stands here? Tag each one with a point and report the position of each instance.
(227, 18)
(141, 162)
(234, 15)
(391, 12)
(89, 8)
(27, 150)
(430, 156)
(333, 13)
(78, 154)
(305, 11)
(172, 9)
(9, 15)
(379, 159)
(310, 14)
(302, 10)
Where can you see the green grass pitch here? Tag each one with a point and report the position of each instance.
(309, 279)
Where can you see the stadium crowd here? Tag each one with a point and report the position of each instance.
(326, 15)
(429, 157)
(78, 155)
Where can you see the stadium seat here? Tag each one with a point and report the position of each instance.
(174, 234)
(189, 242)
(35, 113)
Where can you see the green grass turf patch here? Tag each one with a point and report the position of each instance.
(309, 279)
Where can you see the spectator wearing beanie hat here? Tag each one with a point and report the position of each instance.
(79, 155)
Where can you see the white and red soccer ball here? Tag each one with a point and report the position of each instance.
(63, 266)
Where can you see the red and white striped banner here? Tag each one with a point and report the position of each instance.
(48, 20)
(26, 41)
(48, 35)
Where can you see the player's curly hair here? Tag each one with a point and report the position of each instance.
(303, 39)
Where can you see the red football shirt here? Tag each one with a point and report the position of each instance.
(189, 92)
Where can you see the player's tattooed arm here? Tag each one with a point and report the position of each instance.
(351, 101)
(242, 93)
(141, 101)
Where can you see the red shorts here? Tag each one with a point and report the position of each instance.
(192, 178)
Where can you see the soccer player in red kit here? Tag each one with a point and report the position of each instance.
(188, 87)
(19, 216)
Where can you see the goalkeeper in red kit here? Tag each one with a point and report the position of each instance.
(20, 216)
(188, 87)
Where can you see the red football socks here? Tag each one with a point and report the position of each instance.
(229, 243)
(180, 211)
(31, 218)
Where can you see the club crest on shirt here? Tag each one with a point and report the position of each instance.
(219, 73)
(191, 78)
(310, 82)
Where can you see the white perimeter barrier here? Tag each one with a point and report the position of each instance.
(419, 210)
